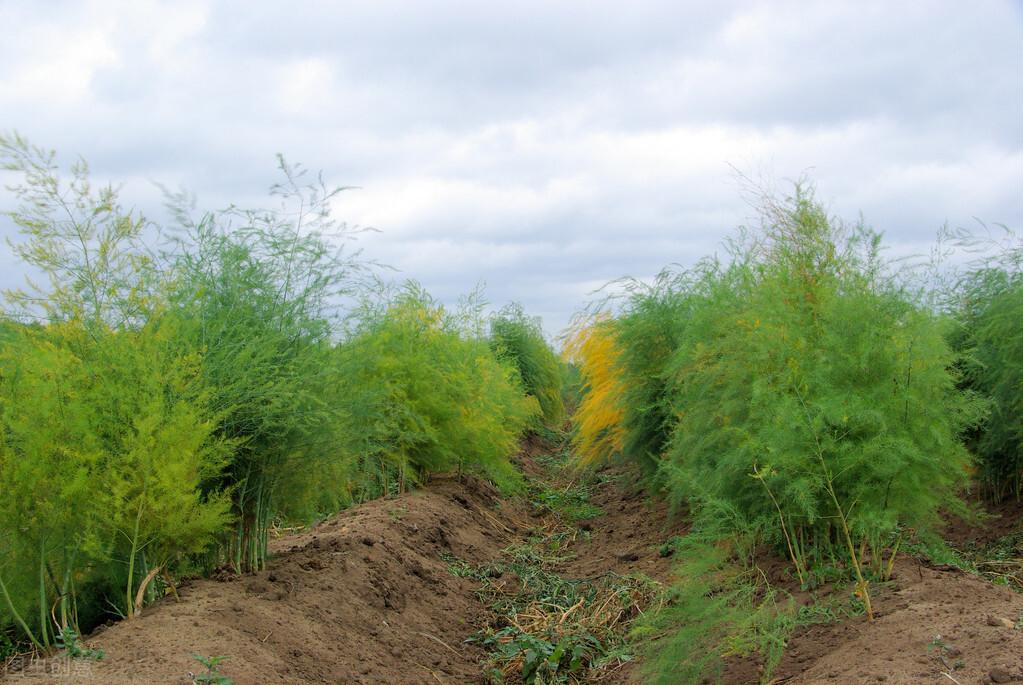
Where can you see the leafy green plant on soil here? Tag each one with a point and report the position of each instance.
(669, 546)
(68, 640)
(212, 675)
(550, 629)
(1000, 561)
(397, 513)
(943, 652)
(939, 553)
(8, 647)
(832, 610)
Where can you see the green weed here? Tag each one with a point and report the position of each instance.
(1000, 561)
(669, 546)
(557, 630)
(8, 647)
(572, 503)
(68, 640)
(212, 675)
(834, 610)
(942, 652)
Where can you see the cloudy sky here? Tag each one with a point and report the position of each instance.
(542, 148)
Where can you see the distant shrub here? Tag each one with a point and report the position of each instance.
(598, 431)
(518, 340)
(436, 396)
(990, 312)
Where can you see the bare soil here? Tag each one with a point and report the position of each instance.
(627, 538)
(932, 621)
(367, 598)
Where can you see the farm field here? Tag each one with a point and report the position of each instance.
(231, 451)
(533, 343)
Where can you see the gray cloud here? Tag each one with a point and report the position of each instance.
(544, 148)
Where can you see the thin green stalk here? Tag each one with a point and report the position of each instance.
(240, 541)
(850, 548)
(17, 616)
(264, 528)
(237, 546)
(42, 595)
(129, 599)
(74, 605)
(784, 528)
(891, 559)
(65, 590)
(860, 582)
(254, 533)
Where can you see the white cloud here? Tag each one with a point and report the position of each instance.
(59, 67)
(544, 148)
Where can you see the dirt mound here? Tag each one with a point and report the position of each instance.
(929, 623)
(363, 598)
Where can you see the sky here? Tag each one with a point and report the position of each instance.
(540, 148)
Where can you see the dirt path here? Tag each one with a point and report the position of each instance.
(626, 539)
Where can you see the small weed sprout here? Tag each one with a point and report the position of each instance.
(943, 651)
(212, 676)
(669, 546)
(68, 640)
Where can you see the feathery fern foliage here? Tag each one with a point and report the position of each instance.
(517, 339)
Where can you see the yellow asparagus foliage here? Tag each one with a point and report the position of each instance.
(598, 419)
